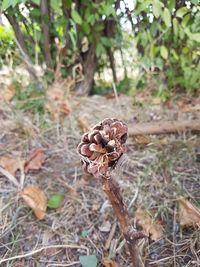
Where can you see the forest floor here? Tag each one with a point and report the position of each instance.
(156, 172)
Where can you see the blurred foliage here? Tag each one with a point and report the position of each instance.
(29, 98)
(166, 35)
(8, 52)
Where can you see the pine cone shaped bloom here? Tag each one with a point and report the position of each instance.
(102, 146)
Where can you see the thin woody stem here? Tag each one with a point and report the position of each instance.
(112, 190)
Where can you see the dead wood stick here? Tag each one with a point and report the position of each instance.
(165, 127)
(131, 235)
(100, 149)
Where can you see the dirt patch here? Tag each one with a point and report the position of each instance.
(152, 176)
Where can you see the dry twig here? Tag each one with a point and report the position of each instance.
(100, 150)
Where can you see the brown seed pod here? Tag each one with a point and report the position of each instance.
(102, 146)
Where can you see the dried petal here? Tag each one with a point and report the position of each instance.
(119, 129)
(85, 138)
(101, 147)
(97, 148)
(91, 135)
(85, 150)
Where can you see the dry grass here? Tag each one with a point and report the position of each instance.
(152, 176)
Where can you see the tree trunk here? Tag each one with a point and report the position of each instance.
(112, 63)
(89, 63)
(123, 63)
(109, 31)
(44, 8)
(18, 33)
(19, 40)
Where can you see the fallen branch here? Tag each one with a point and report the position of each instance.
(165, 127)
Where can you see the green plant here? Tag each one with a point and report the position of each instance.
(29, 98)
(7, 47)
(167, 37)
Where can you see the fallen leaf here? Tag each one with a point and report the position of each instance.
(88, 261)
(11, 164)
(83, 124)
(95, 206)
(55, 93)
(55, 200)
(8, 93)
(142, 139)
(64, 107)
(164, 141)
(151, 228)
(109, 263)
(156, 101)
(57, 107)
(35, 161)
(189, 215)
(35, 199)
(57, 102)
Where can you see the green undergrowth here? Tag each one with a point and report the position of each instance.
(29, 98)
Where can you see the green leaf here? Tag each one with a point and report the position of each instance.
(182, 11)
(157, 8)
(195, 2)
(88, 261)
(142, 6)
(84, 233)
(175, 26)
(76, 17)
(6, 4)
(105, 41)
(107, 9)
(100, 49)
(86, 27)
(55, 5)
(37, 2)
(185, 20)
(55, 200)
(174, 54)
(15, 2)
(185, 50)
(166, 16)
(68, 3)
(172, 4)
(163, 52)
(195, 37)
(192, 36)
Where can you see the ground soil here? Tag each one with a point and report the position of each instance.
(152, 176)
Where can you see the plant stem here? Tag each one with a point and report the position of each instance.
(112, 190)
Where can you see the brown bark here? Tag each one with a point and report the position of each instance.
(109, 31)
(112, 190)
(44, 8)
(18, 33)
(112, 63)
(123, 62)
(19, 40)
(89, 63)
(165, 127)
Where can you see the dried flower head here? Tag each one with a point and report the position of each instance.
(102, 146)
